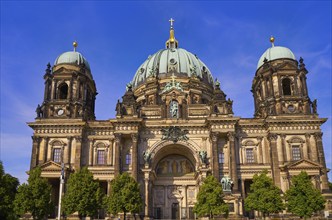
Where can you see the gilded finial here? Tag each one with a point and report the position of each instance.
(272, 40)
(171, 42)
(75, 45)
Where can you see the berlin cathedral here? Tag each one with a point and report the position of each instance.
(174, 126)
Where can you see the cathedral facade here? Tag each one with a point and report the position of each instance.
(174, 126)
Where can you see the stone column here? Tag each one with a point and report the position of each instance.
(53, 89)
(110, 162)
(233, 169)
(283, 154)
(274, 159)
(321, 157)
(307, 141)
(91, 152)
(78, 152)
(70, 86)
(35, 152)
(134, 162)
(67, 152)
(215, 162)
(146, 171)
(243, 188)
(45, 148)
(117, 146)
(260, 156)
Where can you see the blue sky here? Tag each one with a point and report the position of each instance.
(116, 37)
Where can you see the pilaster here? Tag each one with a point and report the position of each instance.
(215, 164)
(134, 162)
(35, 151)
(274, 159)
(233, 169)
(78, 152)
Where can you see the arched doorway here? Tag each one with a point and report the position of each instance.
(175, 179)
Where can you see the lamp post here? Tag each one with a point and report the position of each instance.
(62, 181)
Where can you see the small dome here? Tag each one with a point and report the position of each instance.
(72, 57)
(274, 53)
(172, 59)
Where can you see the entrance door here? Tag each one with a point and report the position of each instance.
(175, 211)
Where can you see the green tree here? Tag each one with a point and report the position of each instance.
(330, 186)
(303, 199)
(83, 194)
(264, 196)
(210, 199)
(8, 189)
(34, 197)
(124, 196)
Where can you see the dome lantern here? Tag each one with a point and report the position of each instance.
(172, 42)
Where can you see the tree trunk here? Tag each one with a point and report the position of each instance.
(124, 215)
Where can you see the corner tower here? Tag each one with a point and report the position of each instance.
(70, 90)
(279, 86)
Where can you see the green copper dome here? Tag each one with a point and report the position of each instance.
(72, 57)
(178, 60)
(274, 53)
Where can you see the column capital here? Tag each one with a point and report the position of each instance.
(272, 137)
(78, 139)
(134, 137)
(283, 136)
(214, 136)
(231, 135)
(117, 137)
(318, 136)
(307, 135)
(35, 138)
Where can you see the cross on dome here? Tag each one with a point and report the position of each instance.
(171, 21)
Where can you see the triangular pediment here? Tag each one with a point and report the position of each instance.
(304, 164)
(50, 166)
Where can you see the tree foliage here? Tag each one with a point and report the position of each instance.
(303, 199)
(34, 197)
(210, 199)
(8, 189)
(83, 194)
(124, 196)
(330, 186)
(264, 196)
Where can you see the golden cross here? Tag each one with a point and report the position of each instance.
(172, 21)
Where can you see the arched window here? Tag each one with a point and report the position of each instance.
(100, 154)
(57, 151)
(286, 86)
(63, 91)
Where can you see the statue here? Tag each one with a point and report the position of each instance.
(39, 111)
(174, 109)
(146, 157)
(226, 183)
(314, 106)
(118, 108)
(203, 156)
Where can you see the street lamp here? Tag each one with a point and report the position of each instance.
(62, 181)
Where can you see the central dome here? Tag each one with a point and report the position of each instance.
(172, 62)
(177, 60)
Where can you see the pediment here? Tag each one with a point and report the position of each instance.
(304, 164)
(287, 65)
(51, 166)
